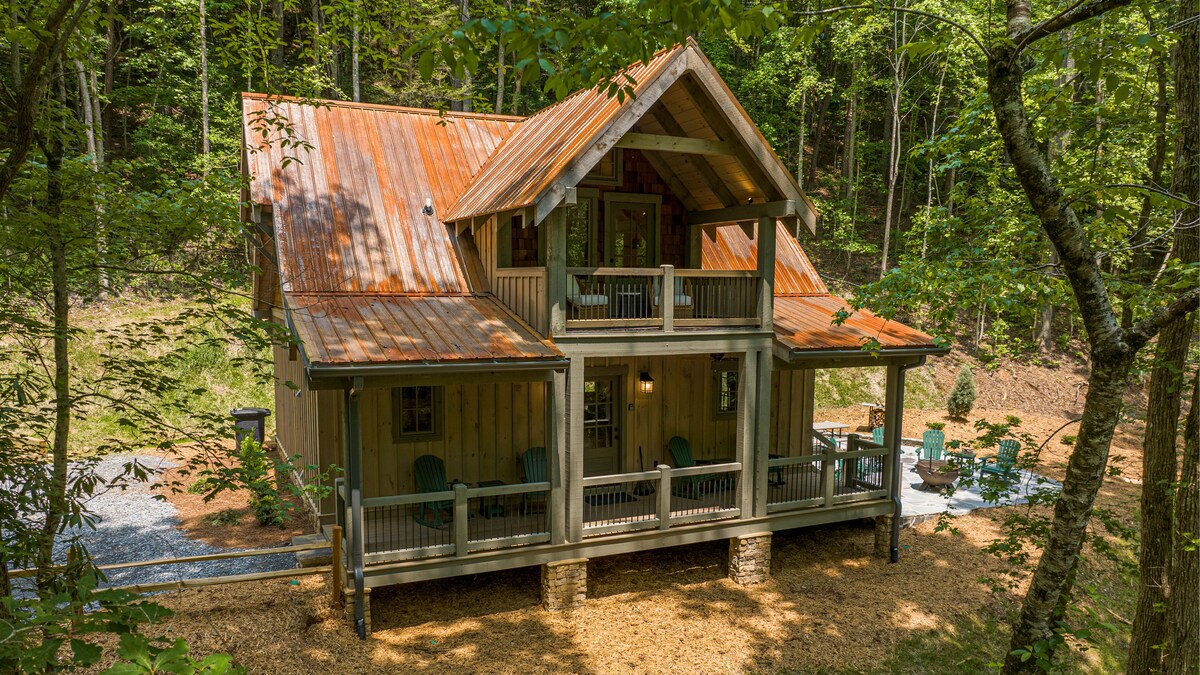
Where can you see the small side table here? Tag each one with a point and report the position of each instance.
(490, 507)
(966, 459)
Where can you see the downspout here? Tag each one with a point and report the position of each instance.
(354, 480)
(895, 449)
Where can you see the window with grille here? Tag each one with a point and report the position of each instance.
(416, 413)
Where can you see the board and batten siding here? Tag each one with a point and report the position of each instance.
(684, 404)
(308, 424)
(484, 430)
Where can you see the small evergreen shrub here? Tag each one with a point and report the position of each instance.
(266, 503)
(1067, 440)
(962, 396)
(936, 426)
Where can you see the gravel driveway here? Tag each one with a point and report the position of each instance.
(132, 525)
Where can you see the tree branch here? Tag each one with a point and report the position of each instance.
(1148, 327)
(1065, 19)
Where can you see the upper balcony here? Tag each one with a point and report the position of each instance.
(661, 298)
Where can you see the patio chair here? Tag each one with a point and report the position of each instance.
(683, 301)
(585, 305)
(933, 444)
(877, 435)
(430, 472)
(536, 471)
(681, 454)
(1005, 459)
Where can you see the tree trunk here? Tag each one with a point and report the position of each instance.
(848, 137)
(277, 49)
(499, 75)
(1183, 657)
(467, 99)
(800, 141)
(1112, 352)
(1159, 463)
(355, 92)
(204, 147)
(1184, 613)
(937, 101)
(899, 38)
(57, 499)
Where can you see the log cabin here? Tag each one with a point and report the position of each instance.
(534, 341)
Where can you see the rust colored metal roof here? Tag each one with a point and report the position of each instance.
(383, 329)
(805, 323)
(534, 155)
(731, 247)
(347, 191)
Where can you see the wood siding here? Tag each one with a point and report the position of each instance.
(309, 425)
(791, 412)
(484, 429)
(523, 290)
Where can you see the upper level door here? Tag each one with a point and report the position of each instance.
(631, 233)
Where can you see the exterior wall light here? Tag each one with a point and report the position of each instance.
(646, 383)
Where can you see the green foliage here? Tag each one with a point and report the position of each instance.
(962, 396)
(142, 656)
(266, 478)
(936, 426)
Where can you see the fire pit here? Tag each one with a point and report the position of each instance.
(937, 474)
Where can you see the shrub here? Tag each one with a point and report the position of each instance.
(267, 505)
(226, 517)
(962, 396)
(936, 426)
(1067, 440)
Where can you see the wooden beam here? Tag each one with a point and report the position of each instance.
(671, 143)
(668, 175)
(765, 258)
(715, 182)
(735, 214)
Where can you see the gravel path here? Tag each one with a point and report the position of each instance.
(132, 525)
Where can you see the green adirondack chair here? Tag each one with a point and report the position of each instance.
(877, 435)
(681, 455)
(933, 444)
(536, 471)
(430, 473)
(1005, 459)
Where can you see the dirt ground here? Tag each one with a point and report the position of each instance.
(226, 521)
(830, 605)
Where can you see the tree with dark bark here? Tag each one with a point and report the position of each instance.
(1112, 348)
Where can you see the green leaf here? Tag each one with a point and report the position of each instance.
(425, 65)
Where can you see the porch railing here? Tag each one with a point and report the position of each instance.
(457, 522)
(828, 477)
(660, 499)
(660, 297)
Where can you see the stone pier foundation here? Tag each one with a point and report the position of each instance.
(883, 536)
(750, 558)
(564, 584)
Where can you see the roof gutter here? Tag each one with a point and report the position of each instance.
(320, 371)
(795, 355)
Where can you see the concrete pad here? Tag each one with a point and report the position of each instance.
(919, 506)
(315, 557)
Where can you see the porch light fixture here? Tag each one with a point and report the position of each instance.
(646, 383)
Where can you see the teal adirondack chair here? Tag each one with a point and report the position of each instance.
(830, 446)
(536, 471)
(1005, 459)
(933, 444)
(877, 435)
(681, 455)
(430, 473)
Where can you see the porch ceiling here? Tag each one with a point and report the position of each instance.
(336, 330)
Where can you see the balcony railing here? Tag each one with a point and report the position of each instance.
(829, 476)
(661, 297)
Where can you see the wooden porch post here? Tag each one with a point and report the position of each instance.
(766, 272)
(354, 481)
(747, 392)
(762, 429)
(808, 391)
(892, 433)
(557, 418)
(556, 270)
(574, 463)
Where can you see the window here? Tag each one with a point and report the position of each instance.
(726, 373)
(632, 229)
(416, 413)
(581, 229)
(607, 171)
